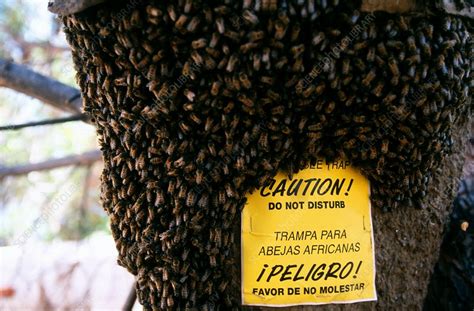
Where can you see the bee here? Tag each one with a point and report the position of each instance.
(298, 65)
(406, 181)
(377, 91)
(263, 141)
(256, 58)
(295, 32)
(369, 78)
(222, 10)
(221, 197)
(395, 44)
(363, 129)
(245, 100)
(171, 12)
(403, 23)
(244, 79)
(223, 284)
(297, 50)
(234, 36)
(308, 91)
(212, 149)
(318, 38)
(359, 118)
(389, 98)
(217, 236)
(197, 58)
(345, 66)
(429, 127)
(350, 144)
(274, 96)
(371, 55)
(179, 24)
(379, 61)
(212, 261)
(199, 43)
(373, 153)
(140, 162)
(203, 201)
(250, 17)
(395, 80)
(280, 30)
(279, 110)
(382, 49)
(361, 45)
(266, 165)
(215, 87)
(393, 65)
(185, 128)
(184, 288)
(269, 5)
(220, 25)
(314, 136)
(231, 63)
(406, 130)
(426, 49)
(411, 44)
(330, 107)
(359, 64)
(429, 31)
(191, 198)
(341, 132)
(267, 80)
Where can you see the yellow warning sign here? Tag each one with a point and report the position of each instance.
(308, 240)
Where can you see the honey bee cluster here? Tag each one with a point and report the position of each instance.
(197, 103)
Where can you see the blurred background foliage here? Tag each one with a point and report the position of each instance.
(32, 36)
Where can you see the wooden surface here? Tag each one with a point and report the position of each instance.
(66, 7)
(406, 6)
(396, 6)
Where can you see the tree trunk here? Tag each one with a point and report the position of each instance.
(185, 137)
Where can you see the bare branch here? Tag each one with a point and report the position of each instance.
(66, 7)
(77, 117)
(86, 158)
(50, 91)
(132, 297)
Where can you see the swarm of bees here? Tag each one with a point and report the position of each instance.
(197, 103)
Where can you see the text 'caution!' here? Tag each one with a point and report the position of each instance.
(308, 240)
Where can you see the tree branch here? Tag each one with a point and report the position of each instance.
(132, 297)
(66, 7)
(50, 91)
(76, 117)
(86, 158)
